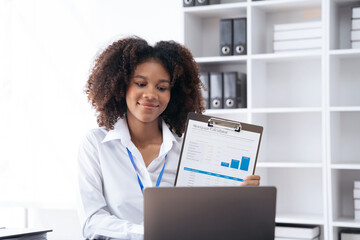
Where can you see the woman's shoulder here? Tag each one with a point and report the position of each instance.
(95, 135)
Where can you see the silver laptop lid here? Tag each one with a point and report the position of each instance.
(209, 213)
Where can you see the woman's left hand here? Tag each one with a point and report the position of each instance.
(253, 180)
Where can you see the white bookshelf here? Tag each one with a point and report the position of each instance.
(307, 101)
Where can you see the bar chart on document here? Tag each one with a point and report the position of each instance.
(214, 156)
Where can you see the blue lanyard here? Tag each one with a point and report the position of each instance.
(140, 183)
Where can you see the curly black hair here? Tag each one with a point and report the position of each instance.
(113, 69)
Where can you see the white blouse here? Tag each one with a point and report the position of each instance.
(111, 201)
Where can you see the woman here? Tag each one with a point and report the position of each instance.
(142, 95)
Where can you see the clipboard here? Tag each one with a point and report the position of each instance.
(217, 151)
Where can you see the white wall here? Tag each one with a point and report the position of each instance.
(46, 50)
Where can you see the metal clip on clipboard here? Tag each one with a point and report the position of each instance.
(233, 125)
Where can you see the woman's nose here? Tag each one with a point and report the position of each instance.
(150, 92)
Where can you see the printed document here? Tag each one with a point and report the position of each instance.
(216, 156)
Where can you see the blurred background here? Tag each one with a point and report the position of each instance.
(46, 51)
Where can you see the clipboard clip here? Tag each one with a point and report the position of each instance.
(233, 125)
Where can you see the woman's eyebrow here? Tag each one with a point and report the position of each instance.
(145, 78)
(140, 76)
(164, 80)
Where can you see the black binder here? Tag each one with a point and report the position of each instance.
(216, 90)
(242, 99)
(204, 77)
(205, 2)
(188, 3)
(226, 37)
(231, 90)
(239, 36)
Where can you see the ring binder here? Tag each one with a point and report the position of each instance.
(225, 123)
(216, 103)
(206, 2)
(229, 103)
(202, 2)
(225, 50)
(226, 37)
(232, 89)
(216, 90)
(239, 49)
(239, 36)
(188, 3)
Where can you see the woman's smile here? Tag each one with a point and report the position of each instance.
(148, 106)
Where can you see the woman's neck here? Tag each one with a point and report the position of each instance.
(144, 134)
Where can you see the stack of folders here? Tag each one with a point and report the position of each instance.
(297, 36)
(233, 36)
(357, 200)
(349, 234)
(190, 3)
(355, 28)
(296, 232)
(224, 89)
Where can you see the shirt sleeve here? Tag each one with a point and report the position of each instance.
(96, 220)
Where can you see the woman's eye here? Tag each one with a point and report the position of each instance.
(140, 84)
(162, 88)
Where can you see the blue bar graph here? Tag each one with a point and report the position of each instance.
(224, 164)
(235, 163)
(245, 163)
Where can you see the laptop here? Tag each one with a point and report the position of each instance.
(209, 213)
